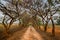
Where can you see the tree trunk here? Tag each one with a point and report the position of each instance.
(6, 33)
(45, 28)
(43, 21)
(53, 28)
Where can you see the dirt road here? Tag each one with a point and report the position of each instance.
(31, 34)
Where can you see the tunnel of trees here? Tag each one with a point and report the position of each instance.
(35, 11)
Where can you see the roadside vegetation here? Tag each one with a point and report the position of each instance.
(28, 12)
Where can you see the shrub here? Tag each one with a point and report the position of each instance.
(58, 21)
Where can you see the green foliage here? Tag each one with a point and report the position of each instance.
(20, 1)
(58, 21)
(50, 2)
(39, 22)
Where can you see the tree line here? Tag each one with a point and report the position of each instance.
(28, 10)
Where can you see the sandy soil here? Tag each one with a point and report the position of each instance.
(31, 34)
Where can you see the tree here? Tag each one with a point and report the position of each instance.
(14, 8)
(52, 3)
(58, 21)
(11, 16)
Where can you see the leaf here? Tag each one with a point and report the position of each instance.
(20, 0)
(50, 2)
(58, 10)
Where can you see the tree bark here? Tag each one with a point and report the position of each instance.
(45, 28)
(53, 28)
